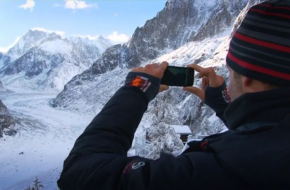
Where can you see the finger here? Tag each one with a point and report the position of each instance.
(205, 82)
(153, 65)
(163, 66)
(209, 72)
(163, 88)
(196, 67)
(202, 71)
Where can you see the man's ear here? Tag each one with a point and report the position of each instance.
(247, 82)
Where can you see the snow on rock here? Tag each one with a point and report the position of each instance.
(7, 122)
(58, 46)
(179, 23)
(163, 139)
(101, 43)
(1, 86)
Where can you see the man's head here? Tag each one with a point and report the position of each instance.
(240, 85)
(259, 53)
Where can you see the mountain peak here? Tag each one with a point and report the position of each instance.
(30, 39)
(101, 38)
(42, 30)
(35, 32)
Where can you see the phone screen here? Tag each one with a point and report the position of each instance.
(178, 76)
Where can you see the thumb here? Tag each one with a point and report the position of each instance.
(196, 91)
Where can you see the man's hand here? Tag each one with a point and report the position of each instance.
(209, 78)
(155, 70)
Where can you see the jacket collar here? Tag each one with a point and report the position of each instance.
(265, 107)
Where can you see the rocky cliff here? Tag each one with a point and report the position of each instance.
(7, 122)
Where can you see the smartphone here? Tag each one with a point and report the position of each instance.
(178, 76)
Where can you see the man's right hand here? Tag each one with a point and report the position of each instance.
(209, 78)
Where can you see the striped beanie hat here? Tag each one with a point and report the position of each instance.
(260, 48)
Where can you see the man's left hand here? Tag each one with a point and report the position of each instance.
(153, 69)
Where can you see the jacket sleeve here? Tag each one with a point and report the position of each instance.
(218, 99)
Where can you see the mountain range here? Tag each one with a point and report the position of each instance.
(42, 60)
(185, 31)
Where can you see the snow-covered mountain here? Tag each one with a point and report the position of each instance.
(180, 22)
(41, 60)
(30, 39)
(204, 27)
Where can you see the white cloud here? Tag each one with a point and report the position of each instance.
(118, 38)
(5, 49)
(28, 5)
(78, 4)
(61, 33)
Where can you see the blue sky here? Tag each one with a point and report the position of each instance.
(113, 19)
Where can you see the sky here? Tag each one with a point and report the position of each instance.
(113, 19)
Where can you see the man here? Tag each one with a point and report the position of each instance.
(253, 154)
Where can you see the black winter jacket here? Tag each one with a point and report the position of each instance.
(253, 154)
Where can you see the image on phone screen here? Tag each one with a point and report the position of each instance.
(178, 76)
